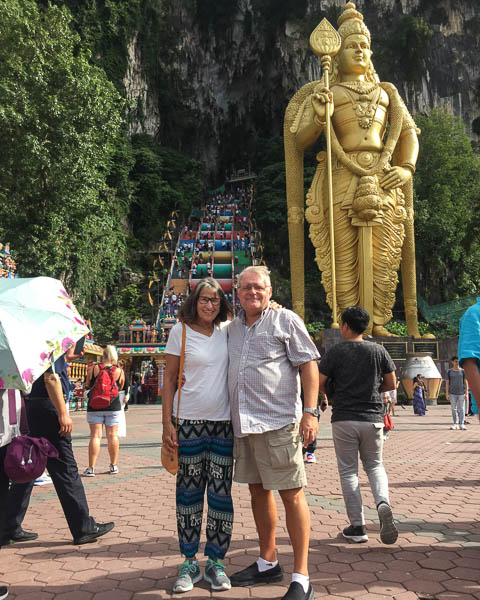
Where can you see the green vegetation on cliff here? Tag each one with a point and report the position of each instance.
(79, 198)
(60, 119)
(447, 210)
(83, 200)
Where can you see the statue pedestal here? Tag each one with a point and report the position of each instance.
(328, 338)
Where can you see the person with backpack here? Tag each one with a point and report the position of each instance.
(104, 408)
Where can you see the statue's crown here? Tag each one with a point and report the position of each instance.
(351, 21)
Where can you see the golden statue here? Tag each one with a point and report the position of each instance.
(362, 194)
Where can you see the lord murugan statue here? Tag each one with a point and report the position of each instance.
(361, 196)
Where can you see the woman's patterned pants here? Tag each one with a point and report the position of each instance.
(205, 460)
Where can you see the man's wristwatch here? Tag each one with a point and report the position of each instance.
(313, 411)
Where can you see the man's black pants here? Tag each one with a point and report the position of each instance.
(3, 489)
(43, 422)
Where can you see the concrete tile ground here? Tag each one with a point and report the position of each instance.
(434, 478)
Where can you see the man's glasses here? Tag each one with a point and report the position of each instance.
(205, 300)
(255, 288)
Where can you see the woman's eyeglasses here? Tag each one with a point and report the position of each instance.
(205, 300)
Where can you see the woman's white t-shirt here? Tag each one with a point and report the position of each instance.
(205, 393)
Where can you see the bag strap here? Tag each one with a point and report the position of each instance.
(12, 407)
(111, 371)
(180, 372)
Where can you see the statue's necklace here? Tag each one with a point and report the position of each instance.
(359, 87)
(364, 107)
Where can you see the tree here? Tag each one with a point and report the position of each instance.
(60, 121)
(447, 197)
(164, 179)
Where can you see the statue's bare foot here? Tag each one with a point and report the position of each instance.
(428, 336)
(414, 334)
(380, 331)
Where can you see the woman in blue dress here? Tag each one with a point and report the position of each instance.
(418, 397)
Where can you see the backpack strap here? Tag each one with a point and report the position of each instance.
(180, 372)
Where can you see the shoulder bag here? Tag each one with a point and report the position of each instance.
(170, 460)
(25, 457)
(388, 422)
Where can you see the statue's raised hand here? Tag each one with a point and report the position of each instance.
(395, 178)
(319, 101)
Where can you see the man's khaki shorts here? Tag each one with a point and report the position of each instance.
(273, 458)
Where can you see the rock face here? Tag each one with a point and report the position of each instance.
(221, 80)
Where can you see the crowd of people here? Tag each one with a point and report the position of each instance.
(254, 413)
(246, 356)
(8, 266)
(172, 302)
(225, 225)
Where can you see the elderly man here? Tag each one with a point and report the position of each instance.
(268, 349)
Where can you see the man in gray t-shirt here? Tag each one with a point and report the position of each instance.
(354, 374)
(456, 390)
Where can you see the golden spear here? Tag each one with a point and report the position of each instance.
(325, 43)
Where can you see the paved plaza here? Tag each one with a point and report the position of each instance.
(434, 478)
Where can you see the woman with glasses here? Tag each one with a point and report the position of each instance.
(205, 434)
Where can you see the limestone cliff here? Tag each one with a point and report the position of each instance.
(220, 80)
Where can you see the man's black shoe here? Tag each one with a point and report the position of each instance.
(295, 592)
(3, 592)
(23, 536)
(99, 530)
(251, 575)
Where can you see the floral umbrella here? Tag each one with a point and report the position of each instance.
(38, 323)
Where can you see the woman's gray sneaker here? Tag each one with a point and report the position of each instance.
(188, 575)
(216, 576)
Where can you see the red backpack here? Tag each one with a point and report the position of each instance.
(104, 389)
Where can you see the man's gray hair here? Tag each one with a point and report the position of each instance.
(261, 271)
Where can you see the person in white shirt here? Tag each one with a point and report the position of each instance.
(205, 433)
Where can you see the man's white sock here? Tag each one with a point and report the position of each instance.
(303, 580)
(264, 565)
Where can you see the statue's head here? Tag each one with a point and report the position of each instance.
(354, 34)
(350, 22)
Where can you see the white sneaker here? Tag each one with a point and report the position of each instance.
(462, 427)
(43, 480)
(113, 470)
(454, 427)
(89, 472)
(311, 458)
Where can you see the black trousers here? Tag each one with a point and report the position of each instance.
(43, 422)
(3, 490)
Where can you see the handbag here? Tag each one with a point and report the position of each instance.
(388, 423)
(25, 457)
(170, 460)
